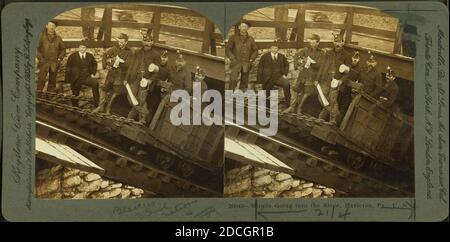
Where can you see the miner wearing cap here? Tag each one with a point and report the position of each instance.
(81, 68)
(329, 78)
(242, 51)
(49, 55)
(199, 77)
(387, 92)
(272, 70)
(370, 76)
(140, 109)
(307, 61)
(140, 61)
(350, 81)
(181, 76)
(116, 61)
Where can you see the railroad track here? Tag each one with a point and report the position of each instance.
(101, 138)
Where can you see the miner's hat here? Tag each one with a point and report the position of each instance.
(356, 55)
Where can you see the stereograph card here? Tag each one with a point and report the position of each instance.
(225, 111)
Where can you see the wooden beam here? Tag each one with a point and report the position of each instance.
(398, 38)
(326, 7)
(271, 24)
(207, 35)
(294, 30)
(129, 24)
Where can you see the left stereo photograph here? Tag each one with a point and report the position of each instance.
(107, 120)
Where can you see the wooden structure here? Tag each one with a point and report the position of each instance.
(62, 154)
(207, 57)
(402, 64)
(373, 131)
(248, 153)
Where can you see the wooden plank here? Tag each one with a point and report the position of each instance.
(253, 155)
(375, 32)
(300, 23)
(181, 11)
(372, 11)
(133, 7)
(64, 155)
(326, 7)
(207, 35)
(294, 30)
(147, 7)
(262, 44)
(278, 24)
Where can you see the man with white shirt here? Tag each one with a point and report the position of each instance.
(80, 70)
(273, 68)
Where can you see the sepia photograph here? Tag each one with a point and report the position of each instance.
(339, 80)
(106, 76)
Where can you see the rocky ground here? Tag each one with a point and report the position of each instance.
(249, 181)
(60, 182)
